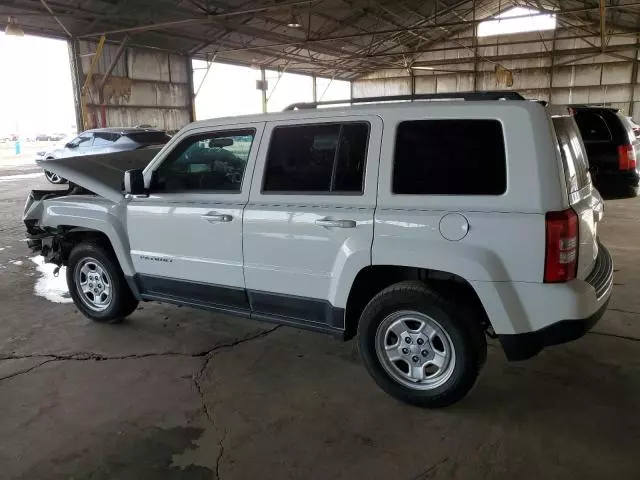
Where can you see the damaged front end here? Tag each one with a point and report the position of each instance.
(53, 243)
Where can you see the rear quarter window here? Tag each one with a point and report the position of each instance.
(450, 157)
(574, 157)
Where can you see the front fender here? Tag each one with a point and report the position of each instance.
(92, 213)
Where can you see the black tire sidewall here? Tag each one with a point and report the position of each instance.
(468, 354)
(121, 292)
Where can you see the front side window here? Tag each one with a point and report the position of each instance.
(319, 158)
(450, 157)
(208, 162)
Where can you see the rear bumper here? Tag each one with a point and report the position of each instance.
(521, 346)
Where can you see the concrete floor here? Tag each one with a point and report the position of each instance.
(185, 394)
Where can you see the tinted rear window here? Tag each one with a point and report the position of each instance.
(149, 138)
(574, 158)
(628, 126)
(593, 127)
(450, 157)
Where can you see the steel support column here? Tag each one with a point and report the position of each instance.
(77, 79)
(314, 88)
(263, 89)
(603, 25)
(475, 49)
(553, 64)
(192, 96)
(634, 77)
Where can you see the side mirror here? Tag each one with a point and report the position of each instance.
(134, 182)
(70, 145)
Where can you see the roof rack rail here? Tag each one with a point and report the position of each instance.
(469, 96)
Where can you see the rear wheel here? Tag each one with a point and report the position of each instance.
(97, 284)
(419, 347)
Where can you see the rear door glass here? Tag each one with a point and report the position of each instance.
(593, 127)
(574, 157)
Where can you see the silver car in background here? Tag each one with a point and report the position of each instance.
(102, 140)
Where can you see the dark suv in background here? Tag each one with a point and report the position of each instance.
(612, 148)
(103, 140)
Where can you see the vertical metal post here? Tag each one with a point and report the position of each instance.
(475, 49)
(263, 79)
(413, 83)
(192, 96)
(314, 88)
(77, 79)
(634, 76)
(603, 25)
(552, 64)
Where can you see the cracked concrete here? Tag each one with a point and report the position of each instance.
(175, 393)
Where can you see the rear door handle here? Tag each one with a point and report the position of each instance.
(326, 222)
(217, 217)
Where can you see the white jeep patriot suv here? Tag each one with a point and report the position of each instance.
(419, 226)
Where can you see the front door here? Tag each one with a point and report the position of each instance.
(186, 236)
(308, 227)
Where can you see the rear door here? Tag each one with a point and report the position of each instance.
(583, 198)
(308, 227)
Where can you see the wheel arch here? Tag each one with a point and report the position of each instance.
(98, 218)
(372, 279)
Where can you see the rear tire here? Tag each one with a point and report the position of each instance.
(97, 285)
(419, 347)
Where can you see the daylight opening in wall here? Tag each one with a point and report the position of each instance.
(503, 24)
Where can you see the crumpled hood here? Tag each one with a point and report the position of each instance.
(102, 174)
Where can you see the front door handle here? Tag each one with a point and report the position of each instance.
(326, 222)
(217, 217)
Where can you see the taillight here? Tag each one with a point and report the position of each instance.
(626, 157)
(561, 258)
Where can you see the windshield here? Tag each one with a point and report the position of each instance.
(574, 157)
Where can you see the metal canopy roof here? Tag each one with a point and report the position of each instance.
(337, 38)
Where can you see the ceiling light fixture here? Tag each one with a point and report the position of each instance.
(294, 21)
(13, 28)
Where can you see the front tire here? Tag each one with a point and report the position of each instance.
(97, 284)
(419, 347)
